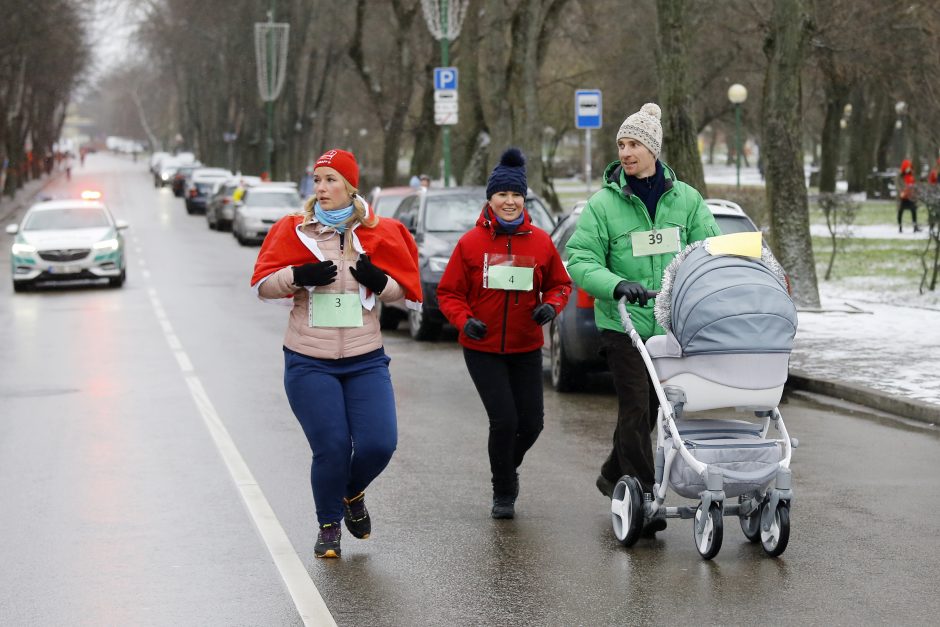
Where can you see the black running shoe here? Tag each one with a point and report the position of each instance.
(504, 506)
(605, 485)
(357, 516)
(328, 541)
(650, 529)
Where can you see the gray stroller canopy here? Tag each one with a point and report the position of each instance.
(716, 304)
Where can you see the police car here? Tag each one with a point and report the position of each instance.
(68, 240)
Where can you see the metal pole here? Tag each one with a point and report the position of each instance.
(445, 62)
(587, 159)
(269, 145)
(737, 135)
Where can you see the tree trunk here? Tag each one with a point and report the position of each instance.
(831, 137)
(680, 140)
(788, 31)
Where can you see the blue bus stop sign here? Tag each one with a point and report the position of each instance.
(587, 108)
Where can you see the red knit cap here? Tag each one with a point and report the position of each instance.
(343, 162)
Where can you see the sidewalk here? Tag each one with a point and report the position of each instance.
(874, 354)
(24, 197)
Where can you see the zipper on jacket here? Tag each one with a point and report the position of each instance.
(502, 342)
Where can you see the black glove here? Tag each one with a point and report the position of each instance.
(369, 275)
(634, 292)
(543, 314)
(320, 273)
(474, 329)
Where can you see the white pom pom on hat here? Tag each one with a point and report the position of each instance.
(644, 126)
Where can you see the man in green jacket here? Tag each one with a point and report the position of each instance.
(627, 234)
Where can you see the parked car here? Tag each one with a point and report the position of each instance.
(67, 240)
(196, 190)
(220, 209)
(385, 200)
(437, 218)
(262, 206)
(182, 174)
(572, 341)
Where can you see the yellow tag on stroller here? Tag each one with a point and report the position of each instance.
(746, 244)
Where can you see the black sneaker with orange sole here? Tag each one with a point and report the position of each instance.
(328, 541)
(357, 516)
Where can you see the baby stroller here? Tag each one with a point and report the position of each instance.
(730, 327)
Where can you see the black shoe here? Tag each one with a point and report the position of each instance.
(900, 229)
(357, 516)
(916, 229)
(328, 541)
(650, 529)
(605, 485)
(504, 506)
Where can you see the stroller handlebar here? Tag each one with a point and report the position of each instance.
(625, 316)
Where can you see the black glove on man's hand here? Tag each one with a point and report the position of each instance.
(369, 275)
(543, 314)
(474, 329)
(634, 292)
(310, 274)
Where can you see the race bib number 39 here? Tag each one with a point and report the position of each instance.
(655, 242)
(335, 310)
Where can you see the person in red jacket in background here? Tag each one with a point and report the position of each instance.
(504, 281)
(907, 194)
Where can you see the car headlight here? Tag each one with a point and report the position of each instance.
(23, 249)
(107, 245)
(437, 264)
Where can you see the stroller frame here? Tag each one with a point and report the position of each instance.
(763, 513)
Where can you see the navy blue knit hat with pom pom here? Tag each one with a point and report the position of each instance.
(509, 175)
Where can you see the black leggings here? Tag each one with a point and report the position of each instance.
(907, 205)
(510, 386)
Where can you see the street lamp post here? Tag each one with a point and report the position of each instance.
(901, 109)
(444, 19)
(737, 94)
(271, 60)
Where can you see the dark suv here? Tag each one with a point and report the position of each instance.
(438, 218)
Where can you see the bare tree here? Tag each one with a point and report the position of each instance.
(680, 134)
(788, 30)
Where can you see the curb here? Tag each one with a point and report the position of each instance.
(904, 407)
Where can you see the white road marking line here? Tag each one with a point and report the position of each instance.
(145, 274)
(303, 592)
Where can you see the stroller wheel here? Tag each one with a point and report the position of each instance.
(775, 539)
(750, 525)
(708, 530)
(626, 510)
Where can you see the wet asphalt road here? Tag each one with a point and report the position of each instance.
(118, 508)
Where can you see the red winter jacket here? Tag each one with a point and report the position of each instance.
(507, 314)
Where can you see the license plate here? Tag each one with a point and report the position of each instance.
(65, 269)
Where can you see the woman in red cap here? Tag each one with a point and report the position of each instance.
(333, 262)
(503, 282)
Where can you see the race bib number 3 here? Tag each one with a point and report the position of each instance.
(335, 310)
(655, 242)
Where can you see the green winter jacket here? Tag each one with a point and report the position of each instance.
(600, 252)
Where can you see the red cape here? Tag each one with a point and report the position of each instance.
(389, 245)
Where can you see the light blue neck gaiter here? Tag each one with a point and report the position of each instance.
(335, 218)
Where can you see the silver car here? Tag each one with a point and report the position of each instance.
(262, 206)
(67, 240)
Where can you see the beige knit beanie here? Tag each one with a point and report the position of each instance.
(644, 126)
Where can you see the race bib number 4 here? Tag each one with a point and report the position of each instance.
(508, 272)
(655, 242)
(335, 310)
